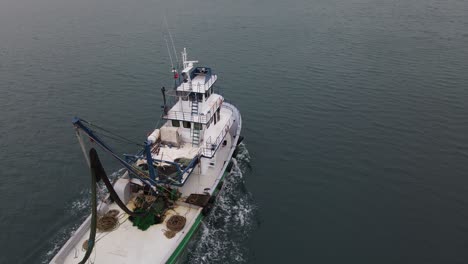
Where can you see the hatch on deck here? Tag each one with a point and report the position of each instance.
(198, 199)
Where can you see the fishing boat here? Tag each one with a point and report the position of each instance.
(153, 210)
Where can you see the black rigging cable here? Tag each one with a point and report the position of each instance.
(98, 173)
(115, 136)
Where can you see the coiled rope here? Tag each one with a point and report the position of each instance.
(176, 223)
(107, 223)
(98, 173)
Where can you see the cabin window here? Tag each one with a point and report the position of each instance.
(175, 123)
(185, 77)
(212, 163)
(197, 126)
(186, 124)
(214, 118)
(192, 96)
(200, 97)
(183, 95)
(218, 113)
(208, 93)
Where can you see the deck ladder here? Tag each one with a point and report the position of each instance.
(195, 137)
(195, 132)
(195, 105)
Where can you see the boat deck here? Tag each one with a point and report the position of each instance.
(186, 150)
(199, 84)
(190, 131)
(128, 244)
(172, 153)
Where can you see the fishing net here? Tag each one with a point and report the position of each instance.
(153, 215)
(145, 221)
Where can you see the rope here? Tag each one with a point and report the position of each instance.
(97, 166)
(131, 168)
(170, 234)
(121, 216)
(119, 140)
(169, 51)
(113, 213)
(107, 223)
(111, 133)
(172, 41)
(176, 223)
(83, 148)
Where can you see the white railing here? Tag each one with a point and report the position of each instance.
(191, 117)
(212, 145)
(189, 87)
(186, 116)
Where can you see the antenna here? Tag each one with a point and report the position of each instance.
(172, 41)
(169, 52)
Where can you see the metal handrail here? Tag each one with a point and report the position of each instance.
(186, 116)
(211, 147)
(197, 118)
(206, 85)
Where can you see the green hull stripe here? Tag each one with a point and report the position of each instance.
(184, 242)
(180, 248)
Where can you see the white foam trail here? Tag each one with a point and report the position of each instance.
(80, 209)
(222, 233)
(230, 222)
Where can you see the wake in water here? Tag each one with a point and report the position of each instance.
(223, 234)
(79, 209)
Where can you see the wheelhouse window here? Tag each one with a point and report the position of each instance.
(185, 77)
(175, 123)
(197, 126)
(208, 93)
(212, 163)
(183, 95)
(186, 124)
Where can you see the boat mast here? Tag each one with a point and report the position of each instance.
(187, 63)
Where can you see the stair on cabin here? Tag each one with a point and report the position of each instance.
(195, 130)
(195, 137)
(194, 105)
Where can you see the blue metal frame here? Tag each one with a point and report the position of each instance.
(149, 161)
(77, 122)
(197, 70)
(145, 153)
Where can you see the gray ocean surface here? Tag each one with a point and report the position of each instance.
(355, 117)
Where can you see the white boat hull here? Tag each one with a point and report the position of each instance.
(127, 244)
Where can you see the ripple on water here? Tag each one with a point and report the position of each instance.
(222, 235)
